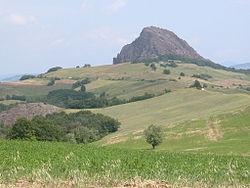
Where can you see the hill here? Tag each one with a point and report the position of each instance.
(27, 111)
(10, 78)
(242, 66)
(154, 42)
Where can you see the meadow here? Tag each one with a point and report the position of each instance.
(85, 165)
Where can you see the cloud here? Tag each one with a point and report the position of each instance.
(86, 5)
(108, 35)
(57, 41)
(20, 20)
(116, 5)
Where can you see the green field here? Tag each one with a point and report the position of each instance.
(80, 165)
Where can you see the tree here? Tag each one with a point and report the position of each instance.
(197, 84)
(153, 135)
(166, 71)
(153, 66)
(53, 69)
(182, 74)
(27, 76)
(83, 88)
(22, 129)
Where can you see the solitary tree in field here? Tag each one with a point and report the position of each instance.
(153, 67)
(153, 135)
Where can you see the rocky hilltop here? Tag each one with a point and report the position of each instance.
(28, 111)
(154, 42)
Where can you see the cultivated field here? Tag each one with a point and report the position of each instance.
(64, 165)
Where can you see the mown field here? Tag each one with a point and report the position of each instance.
(79, 165)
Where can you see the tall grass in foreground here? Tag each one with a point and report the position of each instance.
(89, 165)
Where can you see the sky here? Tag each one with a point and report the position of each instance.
(38, 34)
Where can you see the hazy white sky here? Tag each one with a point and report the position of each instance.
(38, 34)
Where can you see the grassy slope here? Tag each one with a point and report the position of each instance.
(193, 121)
(179, 106)
(128, 80)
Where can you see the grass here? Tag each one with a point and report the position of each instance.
(222, 134)
(34, 91)
(107, 166)
(175, 107)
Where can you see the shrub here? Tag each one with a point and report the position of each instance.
(182, 74)
(51, 82)
(53, 69)
(153, 66)
(27, 76)
(80, 83)
(166, 71)
(196, 84)
(202, 76)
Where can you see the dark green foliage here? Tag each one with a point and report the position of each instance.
(182, 74)
(53, 69)
(153, 66)
(69, 98)
(86, 66)
(166, 71)
(142, 97)
(167, 91)
(169, 64)
(196, 85)
(81, 83)
(84, 135)
(4, 107)
(202, 76)
(82, 127)
(154, 135)
(83, 88)
(15, 97)
(27, 76)
(22, 129)
(51, 82)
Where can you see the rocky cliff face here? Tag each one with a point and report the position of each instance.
(154, 42)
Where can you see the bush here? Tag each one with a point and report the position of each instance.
(196, 85)
(202, 76)
(53, 69)
(142, 97)
(51, 82)
(27, 76)
(153, 66)
(81, 83)
(166, 71)
(182, 74)
(154, 135)
(16, 97)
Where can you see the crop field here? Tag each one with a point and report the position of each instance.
(79, 165)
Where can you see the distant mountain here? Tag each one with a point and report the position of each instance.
(242, 66)
(153, 43)
(9, 78)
